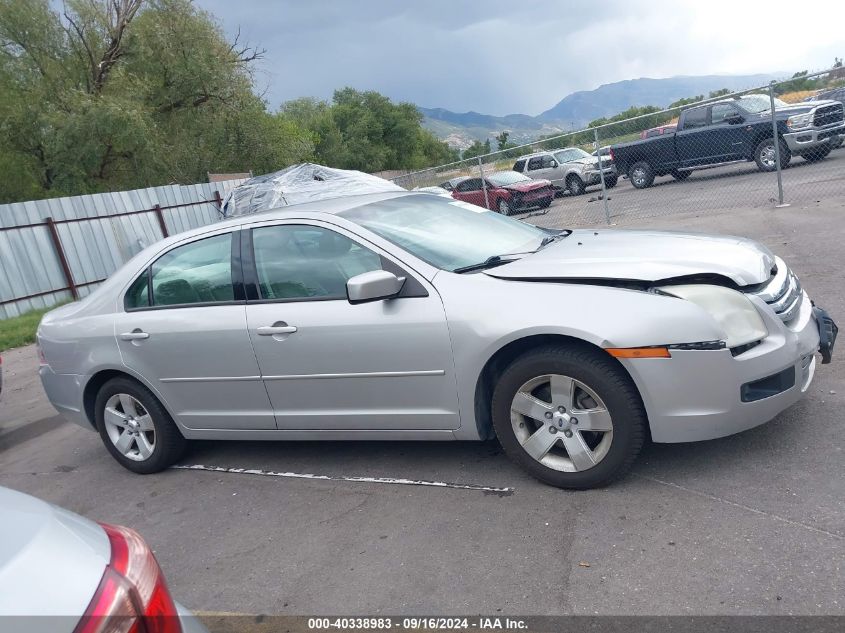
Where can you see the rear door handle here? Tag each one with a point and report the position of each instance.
(134, 335)
(279, 327)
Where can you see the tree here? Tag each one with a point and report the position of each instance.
(502, 140)
(714, 94)
(476, 149)
(114, 94)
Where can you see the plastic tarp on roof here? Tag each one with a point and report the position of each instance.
(298, 184)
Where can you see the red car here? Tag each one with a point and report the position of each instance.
(507, 192)
(658, 131)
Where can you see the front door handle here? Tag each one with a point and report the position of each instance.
(135, 335)
(279, 327)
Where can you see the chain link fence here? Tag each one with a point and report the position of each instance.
(704, 154)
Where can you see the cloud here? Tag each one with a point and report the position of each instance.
(500, 57)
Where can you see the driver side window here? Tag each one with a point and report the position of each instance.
(298, 262)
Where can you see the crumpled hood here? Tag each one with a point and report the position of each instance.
(648, 256)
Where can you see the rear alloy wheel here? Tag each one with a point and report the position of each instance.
(575, 185)
(504, 207)
(815, 155)
(641, 175)
(571, 417)
(135, 428)
(680, 175)
(766, 158)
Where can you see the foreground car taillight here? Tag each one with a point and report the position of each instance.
(132, 596)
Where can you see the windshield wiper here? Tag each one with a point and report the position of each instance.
(551, 238)
(494, 260)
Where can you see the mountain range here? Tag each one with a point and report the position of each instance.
(576, 110)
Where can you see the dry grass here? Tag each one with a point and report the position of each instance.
(797, 96)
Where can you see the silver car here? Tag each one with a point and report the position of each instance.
(61, 572)
(406, 316)
(571, 169)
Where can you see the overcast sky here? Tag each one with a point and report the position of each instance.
(520, 56)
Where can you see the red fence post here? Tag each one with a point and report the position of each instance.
(218, 200)
(54, 234)
(161, 224)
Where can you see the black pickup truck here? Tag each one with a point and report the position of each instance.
(733, 130)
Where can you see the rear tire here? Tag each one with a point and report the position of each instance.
(135, 427)
(641, 175)
(815, 155)
(680, 175)
(611, 181)
(575, 185)
(764, 155)
(588, 385)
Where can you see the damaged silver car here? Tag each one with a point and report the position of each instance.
(403, 316)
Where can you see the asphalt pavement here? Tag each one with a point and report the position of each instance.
(751, 524)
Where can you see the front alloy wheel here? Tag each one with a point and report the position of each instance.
(561, 423)
(569, 415)
(504, 207)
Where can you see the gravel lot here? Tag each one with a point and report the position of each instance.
(752, 524)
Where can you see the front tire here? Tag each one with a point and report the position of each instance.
(504, 207)
(569, 416)
(575, 185)
(135, 427)
(641, 175)
(611, 181)
(764, 155)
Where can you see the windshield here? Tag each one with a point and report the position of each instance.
(568, 155)
(504, 178)
(446, 234)
(759, 103)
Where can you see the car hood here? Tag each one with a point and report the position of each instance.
(51, 560)
(527, 186)
(647, 256)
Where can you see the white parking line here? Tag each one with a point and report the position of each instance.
(369, 480)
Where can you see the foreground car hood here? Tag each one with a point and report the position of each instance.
(51, 560)
(643, 256)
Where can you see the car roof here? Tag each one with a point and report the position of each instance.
(546, 151)
(331, 206)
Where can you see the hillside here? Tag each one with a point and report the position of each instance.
(574, 111)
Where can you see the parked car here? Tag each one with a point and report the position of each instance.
(732, 130)
(571, 169)
(404, 316)
(87, 577)
(838, 94)
(450, 184)
(507, 192)
(658, 131)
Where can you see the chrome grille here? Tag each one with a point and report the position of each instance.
(782, 292)
(827, 115)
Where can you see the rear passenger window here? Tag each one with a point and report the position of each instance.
(519, 166)
(695, 118)
(199, 272)
(304, 262)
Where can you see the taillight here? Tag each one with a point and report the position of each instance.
(132, 596)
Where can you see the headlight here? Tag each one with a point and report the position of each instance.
(798, 121)
(732, 310)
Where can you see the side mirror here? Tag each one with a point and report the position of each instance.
(734, 119)
(373, 286)
(553, 164)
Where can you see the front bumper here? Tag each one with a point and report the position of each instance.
(698, 395)
(805, 140)
(592, 177)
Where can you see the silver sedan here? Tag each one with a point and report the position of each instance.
(403, 316)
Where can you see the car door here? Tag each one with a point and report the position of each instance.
(470, 190)
(183, 329)
(692, 141)
(330, 365)
(727, 134)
